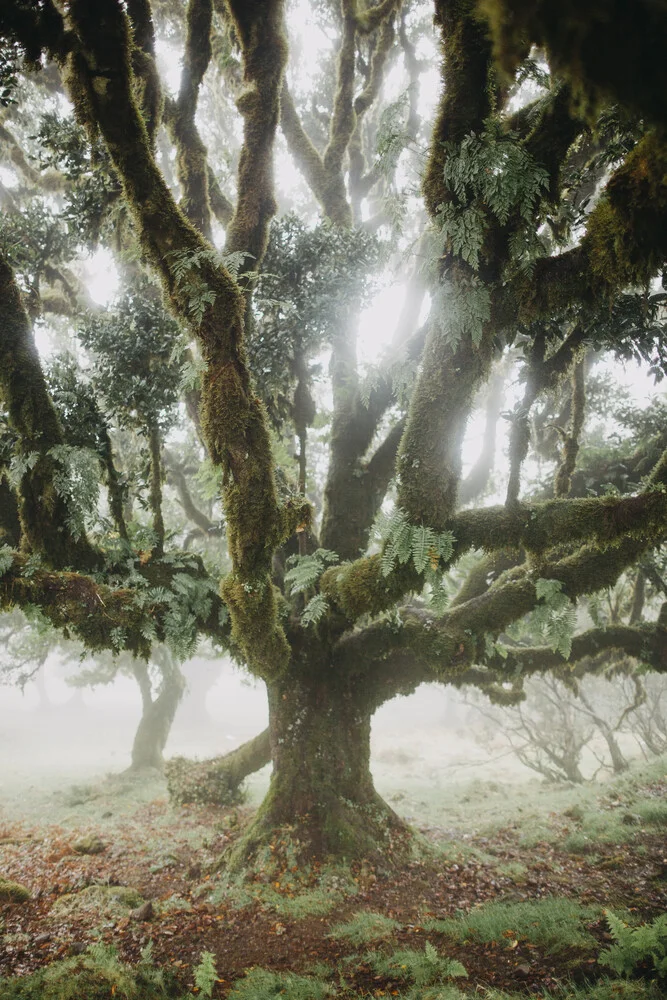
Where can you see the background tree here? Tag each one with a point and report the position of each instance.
(540, 237)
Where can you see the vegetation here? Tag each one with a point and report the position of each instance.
(206, 456)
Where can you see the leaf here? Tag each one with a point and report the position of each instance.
(315, 609)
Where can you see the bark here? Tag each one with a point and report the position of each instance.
(321, 786)
(155, 492)
(43, 513)
(217, 781)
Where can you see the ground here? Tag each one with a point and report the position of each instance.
(515, 889)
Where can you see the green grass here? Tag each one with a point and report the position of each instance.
(365, 927)
(553, 923)
(598, 827)
(606, 989)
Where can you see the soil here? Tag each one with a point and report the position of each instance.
(168, 856)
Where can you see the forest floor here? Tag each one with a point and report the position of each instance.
(519, 901)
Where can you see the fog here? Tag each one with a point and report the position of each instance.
(54, 736)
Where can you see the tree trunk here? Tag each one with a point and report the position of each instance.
(156, 718)
(217, 781)
(321, 785)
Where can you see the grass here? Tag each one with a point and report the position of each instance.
(365, 927)
(606, 989)
(617, 825)
(553, 923)
(293, 893)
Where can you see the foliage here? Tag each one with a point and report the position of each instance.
(365, 926)
(135, 347)
(556, 617)
(404, 542)
(259, 984)
(423, 968)
(489, 172)
(306, 570)
(95, 975)
(636, 945)
(554, 923)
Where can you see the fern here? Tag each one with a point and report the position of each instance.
(423, 968)
(306, 570)
(403, 541)
(206, 974)
(315, 609)
(556, 618)
(6, 559)
(635, 945)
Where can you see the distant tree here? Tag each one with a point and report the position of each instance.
(541, 236)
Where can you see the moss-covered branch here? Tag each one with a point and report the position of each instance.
(191, 162)
(103, 617)
(583, 42)
(620, 524)
(233, 419)
(625, 244)
(45, 518)
(217, 781)
(259, 26)
(466, 98)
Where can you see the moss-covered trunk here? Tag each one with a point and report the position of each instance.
(321, 788)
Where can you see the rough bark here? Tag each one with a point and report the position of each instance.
(321, 786)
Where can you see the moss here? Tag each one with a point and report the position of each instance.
(626, 234)
(583, 42)
(465, 102)
(106, 901)
(429, 459)
(12, 892)
(217, 781)
(43, 513)
(191, 161)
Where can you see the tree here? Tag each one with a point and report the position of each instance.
(543, 234)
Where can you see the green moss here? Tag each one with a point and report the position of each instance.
(12, 892)
(110, 902)
(465, 102)
(583, 42)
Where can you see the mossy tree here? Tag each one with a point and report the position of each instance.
(545, 220)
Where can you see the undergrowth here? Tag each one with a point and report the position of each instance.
(553, 923)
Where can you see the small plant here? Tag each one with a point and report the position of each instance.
(636, 945)
(556, 924)
(365, 927)
(206, 974)
(260, 984)
(96, 975)
(423, 968)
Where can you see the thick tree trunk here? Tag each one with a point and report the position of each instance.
(156, 718)
(321, 788)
